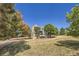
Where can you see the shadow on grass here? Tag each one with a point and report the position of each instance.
(13, 49)
(72, 44)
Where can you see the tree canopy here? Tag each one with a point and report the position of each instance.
(73, 18)
(50, 30)
(37, 31)
(62, 31)
(10, 21)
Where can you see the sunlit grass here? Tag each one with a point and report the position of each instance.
(44, 47)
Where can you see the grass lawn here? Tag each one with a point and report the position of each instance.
(59, 46)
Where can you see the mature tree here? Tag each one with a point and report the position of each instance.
(4, 21)
(10, 21)
(50, 30)
(56, 31)
(25, 30)
(73, 14)
(37, 31)
(73, 18)
(13, 19)
(62, 31)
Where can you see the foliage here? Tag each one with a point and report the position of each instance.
(56, 31)
(25, 29)
(73, 18)
(73, 14)
(62, 31)
(50, 30)
(37, 31)
(10, 21)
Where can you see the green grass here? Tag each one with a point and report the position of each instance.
(59, 46)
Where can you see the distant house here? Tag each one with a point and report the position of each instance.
(41, 32)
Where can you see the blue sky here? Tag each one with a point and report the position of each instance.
(45, 13)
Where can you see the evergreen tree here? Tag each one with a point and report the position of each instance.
(62, 31)
(10, 21)
(50, 30)
(37, 31)
(73, 18)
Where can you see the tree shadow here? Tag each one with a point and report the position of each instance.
(14, 48)
(72, 44)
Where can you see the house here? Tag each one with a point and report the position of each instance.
(41, 32)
